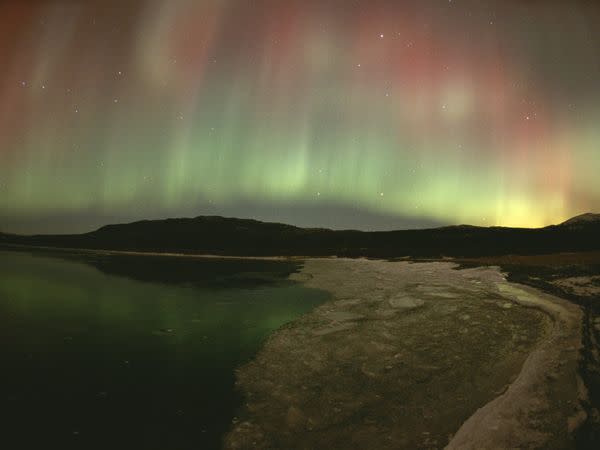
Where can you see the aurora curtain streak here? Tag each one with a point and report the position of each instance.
(431, 111)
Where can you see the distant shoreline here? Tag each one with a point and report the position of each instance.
(501, 260)
(158, 254)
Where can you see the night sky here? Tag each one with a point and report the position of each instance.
(363, 114)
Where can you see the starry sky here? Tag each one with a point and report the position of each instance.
(364, 114)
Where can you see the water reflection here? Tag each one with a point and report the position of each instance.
(133, 352)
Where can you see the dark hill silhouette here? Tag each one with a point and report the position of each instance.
(583, 219)
(244, 237)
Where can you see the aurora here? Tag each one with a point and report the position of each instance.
(410, 113)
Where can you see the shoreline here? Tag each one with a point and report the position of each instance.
(152, 254)
(494, 425)
(533, 393)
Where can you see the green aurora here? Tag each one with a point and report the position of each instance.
(427, 112)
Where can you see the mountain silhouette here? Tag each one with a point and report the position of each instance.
(217, 235)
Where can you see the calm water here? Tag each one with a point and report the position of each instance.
(132, 352)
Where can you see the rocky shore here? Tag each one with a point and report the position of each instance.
(415, 355)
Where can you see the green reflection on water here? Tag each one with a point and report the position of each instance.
(92, 359)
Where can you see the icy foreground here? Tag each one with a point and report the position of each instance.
(415, 356)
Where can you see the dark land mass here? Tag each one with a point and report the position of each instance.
(241, 237)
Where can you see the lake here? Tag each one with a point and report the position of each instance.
(106, 351)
